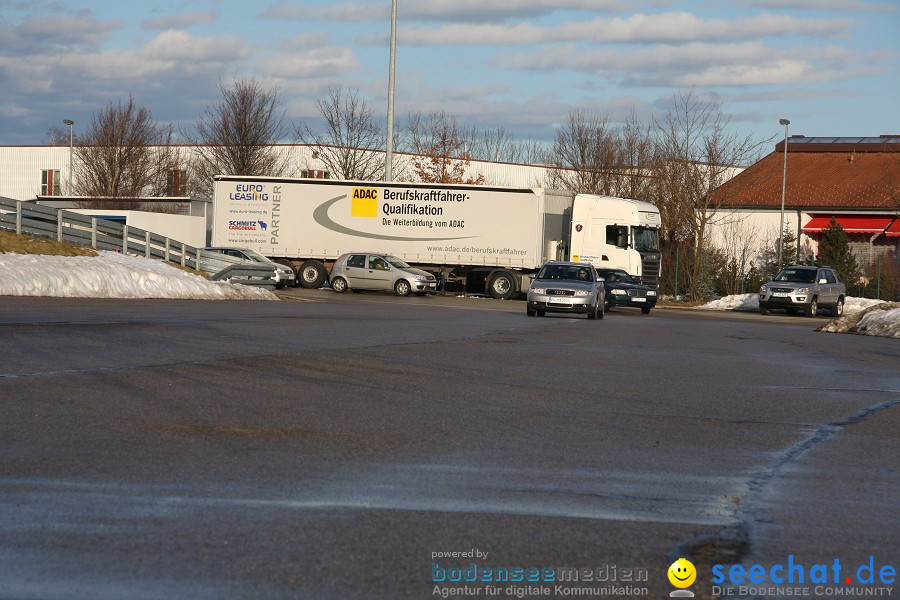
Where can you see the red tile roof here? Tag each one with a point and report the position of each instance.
(857, 176)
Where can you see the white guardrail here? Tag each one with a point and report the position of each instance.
(101, 234)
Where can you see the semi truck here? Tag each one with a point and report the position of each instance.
(473, 238)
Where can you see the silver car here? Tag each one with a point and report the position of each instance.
(282, 275)
(566, 287)
(372, 271)
(806, 288)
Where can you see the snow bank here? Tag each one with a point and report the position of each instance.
(861, 315)
(112, 275)
(881, 319)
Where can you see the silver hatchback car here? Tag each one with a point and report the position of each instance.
(567, 287)
(372, 271)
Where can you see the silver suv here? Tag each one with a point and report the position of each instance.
(806, 288)
(371, 271)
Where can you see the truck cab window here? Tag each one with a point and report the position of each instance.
(617, 235)
(646, 239)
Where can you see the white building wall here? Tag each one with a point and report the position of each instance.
(749, 233)
(21, 166)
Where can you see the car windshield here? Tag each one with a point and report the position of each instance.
(646, 239)
(253, 254)
(797, 275)
(396, 262)
(616, 275)
(567, 272)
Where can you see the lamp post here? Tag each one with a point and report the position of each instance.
(389, 146)
(71, 125)
(784, 122)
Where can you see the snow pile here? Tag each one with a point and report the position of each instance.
(112, 275)
(861, 315)
(882, 319)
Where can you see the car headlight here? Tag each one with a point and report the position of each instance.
(421, 277)
(651, 293)
(803, 291)
(617, 292)
(584, 293)
(536, 290)
(762, 289)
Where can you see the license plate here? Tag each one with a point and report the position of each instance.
(638, 299)
(780, 295)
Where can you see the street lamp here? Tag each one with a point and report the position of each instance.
(389, 146)
(71, 125)
(784, 122)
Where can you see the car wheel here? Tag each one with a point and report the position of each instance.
(530, 312)
(541, 313)
(312, 274)
(339, 285)
(600, 310)
(593, 314)
(645, 310)
(502, 285)
(813, 307)
(402, 287)
(280, 285)
(839, 308)
(763, 310)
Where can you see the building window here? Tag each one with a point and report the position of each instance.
(176, 183)
(315, 174)
(50, 182)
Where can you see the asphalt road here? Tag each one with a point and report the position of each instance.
(332, 446)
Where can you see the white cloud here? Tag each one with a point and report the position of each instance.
(678, 27)
(49, 34)
(465, 11)
(180, 21)
(852, 6)
(318, 62)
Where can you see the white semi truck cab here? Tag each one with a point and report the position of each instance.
(613, 232)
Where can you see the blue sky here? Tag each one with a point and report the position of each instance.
(830, 66)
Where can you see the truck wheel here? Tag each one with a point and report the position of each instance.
(502, 285)
(312, 274)
(402, 287)
(339, 285)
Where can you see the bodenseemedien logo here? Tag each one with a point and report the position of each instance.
(682, 574)
(364, 202)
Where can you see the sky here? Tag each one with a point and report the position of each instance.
(114, 275)
(832, 67)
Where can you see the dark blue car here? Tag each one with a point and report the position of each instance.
(624, 290)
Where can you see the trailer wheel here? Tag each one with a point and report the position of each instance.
(502, 285)
(292, 267)
(312, 274)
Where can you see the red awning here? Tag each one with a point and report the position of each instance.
(850, 223)
(893, 230)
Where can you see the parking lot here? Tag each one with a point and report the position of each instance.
(327, 447)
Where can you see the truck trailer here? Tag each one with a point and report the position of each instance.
(474, 238)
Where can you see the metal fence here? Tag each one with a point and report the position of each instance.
(101, 234)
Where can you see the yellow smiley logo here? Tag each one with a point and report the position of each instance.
(682, 573)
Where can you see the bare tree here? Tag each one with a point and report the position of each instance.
(352, 145)
(58, 136)
(498, 145)
(237, 136)
(638, 157)
(696, 153)
(119, 156)
(442, 155)
(587, 155)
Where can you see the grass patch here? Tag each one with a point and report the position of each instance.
(14, 243)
